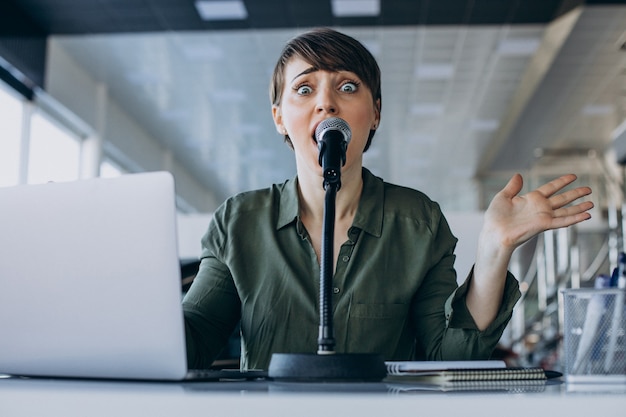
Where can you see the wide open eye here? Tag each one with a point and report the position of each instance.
(304, 90)
(349, 87)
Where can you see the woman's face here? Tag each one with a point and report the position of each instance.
(310, 96)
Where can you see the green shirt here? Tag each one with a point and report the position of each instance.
(394, 288)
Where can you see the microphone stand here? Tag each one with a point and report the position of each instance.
(326, 337)
(326, 365)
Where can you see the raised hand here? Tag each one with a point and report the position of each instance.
(512, 219)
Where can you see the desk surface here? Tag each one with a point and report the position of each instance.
(49, 397)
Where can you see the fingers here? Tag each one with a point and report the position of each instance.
(563, 199)
(583, 207)
(513, 187)
(515, 184)
(559, 222)
(557, 201)
(556, 185)
(565, 215)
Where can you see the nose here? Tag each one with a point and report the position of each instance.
(326, 102)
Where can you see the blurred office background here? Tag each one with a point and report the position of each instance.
(473, 91)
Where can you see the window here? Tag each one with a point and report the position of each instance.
(54, 152)
(109, 169)
(11, 127)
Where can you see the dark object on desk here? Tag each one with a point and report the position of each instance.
(201, 375)
(302, 367)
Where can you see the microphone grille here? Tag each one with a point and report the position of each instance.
(334, 123)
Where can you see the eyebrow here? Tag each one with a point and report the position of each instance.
(306, 71)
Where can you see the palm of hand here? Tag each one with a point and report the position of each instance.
(514, 219)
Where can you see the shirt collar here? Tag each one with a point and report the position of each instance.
(368, 217)
(288, 209)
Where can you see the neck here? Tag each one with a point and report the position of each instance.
(312, 195)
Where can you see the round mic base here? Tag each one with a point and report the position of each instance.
(337, 367)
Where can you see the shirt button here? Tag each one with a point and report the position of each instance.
(346, 258)
(336, 290)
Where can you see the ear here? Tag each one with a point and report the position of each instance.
(278, 120)
(376, 122)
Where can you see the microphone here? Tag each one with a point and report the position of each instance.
(332, 136)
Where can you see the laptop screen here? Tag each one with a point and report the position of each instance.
(90, 279)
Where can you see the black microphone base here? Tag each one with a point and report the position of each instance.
(336, 367)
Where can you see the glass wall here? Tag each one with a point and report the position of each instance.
(11, 127)
(35, 148)
(109, 169)
(54, 153)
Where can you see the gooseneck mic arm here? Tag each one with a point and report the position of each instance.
(332, 137)
(326, 336)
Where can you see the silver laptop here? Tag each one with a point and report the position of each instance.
(90, 279)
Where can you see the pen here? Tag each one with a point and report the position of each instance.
(617, 314)
(615, 276)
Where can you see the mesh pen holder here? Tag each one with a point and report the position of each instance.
(593, 335)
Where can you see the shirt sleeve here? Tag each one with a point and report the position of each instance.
(460, 324)
(445, 328)
(458, 316)
(211, 307)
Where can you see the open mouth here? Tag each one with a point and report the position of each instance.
(315, 130)
(313, 138)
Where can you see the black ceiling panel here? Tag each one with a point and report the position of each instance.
(527, 10)
(22, 49)
(490, 12)
(108, 16)
(400, 12)
(25, 24)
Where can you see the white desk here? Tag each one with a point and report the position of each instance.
(42, 397)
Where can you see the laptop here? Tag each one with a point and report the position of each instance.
(90, 282)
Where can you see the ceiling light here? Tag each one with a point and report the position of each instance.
(518, 47)
(597, 109)
(434, 71)
(355, 8)
(427, 109)
(221, 10)
(484, 125)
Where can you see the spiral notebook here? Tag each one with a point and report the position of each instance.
(434, 373)
(401, 367)
(518, 386)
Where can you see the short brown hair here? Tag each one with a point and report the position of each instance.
(329, 50)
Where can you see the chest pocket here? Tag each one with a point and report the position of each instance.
(378, 311)
(377, 328)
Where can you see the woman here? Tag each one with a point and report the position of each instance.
(394, 284)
